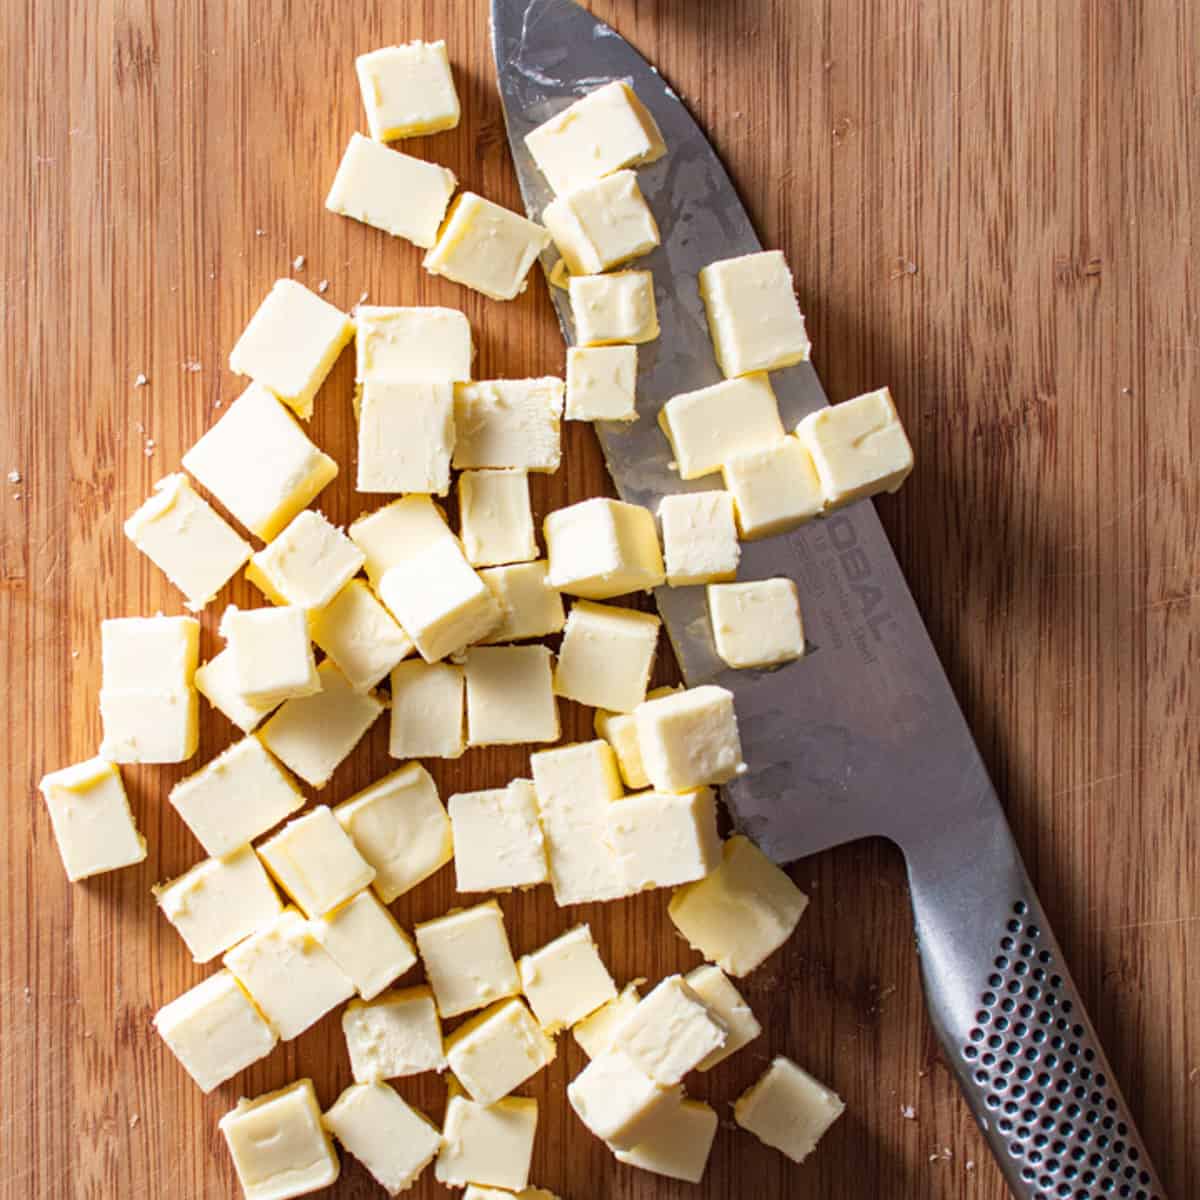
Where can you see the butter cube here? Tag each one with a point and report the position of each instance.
(708, 427)
(594, 1033)
(601, 383)
(280, 1148)
(291, 343)
(613, 308)
(398, 1033)
(788, 1109)
(272, 656)
(399, 344)
(486, 247)
(566, 979)
(753, 314)
(149, 653)
(619, 730)
(669, 1032)
(475, 1192)
(497, 1050)
(510, 696)
(407, 90)
(498, 842)
(391, 534)
(619, 1102)
(601, 548)
(359, 635)
(405, 436)
(182, 536)
(288, 974)
(315, 862)
(392, 1140)
(602, 224)
(217, 681)
(689, 738)
(774, 489)
(497, 522)
(602, 132)
(756, 624)
(529, 606)
(514, 423)
(427, 711)
(258, 462)
(467, 958)
(662, 839)
(859, 447)
(606, 656)
(700, 542)
(725, 1002)
(439, 600)
(575, 786)
(219, 902)
(741, 913)
(243, 792)
(214, 1030)
(680, 1145)
(314, 734)
(148, 726)
(366, 941)
(401, 195)
(90, 815)
(491, 1145)
(307, 564)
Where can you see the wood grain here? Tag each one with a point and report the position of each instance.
(990, 207)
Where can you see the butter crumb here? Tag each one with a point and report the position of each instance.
(14, 476)
(260, 233)
(192, 366)
(134, 1120)
(298, 262)
(140, 379)
(908, 1112)
(323, 286)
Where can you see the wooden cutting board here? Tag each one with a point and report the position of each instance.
(989, 207)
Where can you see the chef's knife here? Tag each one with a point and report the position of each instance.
(862, 736)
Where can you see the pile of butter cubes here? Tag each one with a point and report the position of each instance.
(452, 619)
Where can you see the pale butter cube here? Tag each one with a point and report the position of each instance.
(700, 541)
(405, 436)
(756, 624)
(575, 786)
(272, 656)
(475, 1192)
(144, 726)
(788, 1109)
(359, 635)
(594, 1033)
(394, 1141)
(774, 489)
(662, 839)
(219, 902)
(486, 247)
(366, 941)
(315, 862)
(529, 606)
(566, 979)
(427, 711)
(395, 344)
(290, 344)
(669, 1032)
(497, 521)
(614, 308)
(241, 793)
(709, 426)
(491, 1145)
(397, 531)
(680, 1144)
(724, 1001)
(601, 383)
(397, 1033)
(690, 738)
(498, 1050)
(601, 548)
(753, 314)
(600, 225)
(259, 463)
(602, 132)
(498, 842)
(401, 195)
(214, 1030)
(606, 656)
(510, 696)
(217, 681)
(467, 958)
(289, 974)
(307, 564)
(514, 423)
(182, 536)
(741, 913)
(407, 90)
(619, 1102)
(90, 815)
(619, 730)
(151, 653)
(280, 1148)
(859, 447)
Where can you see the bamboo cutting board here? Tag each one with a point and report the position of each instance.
(990, 207)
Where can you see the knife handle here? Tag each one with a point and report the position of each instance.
(1013, 1027)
